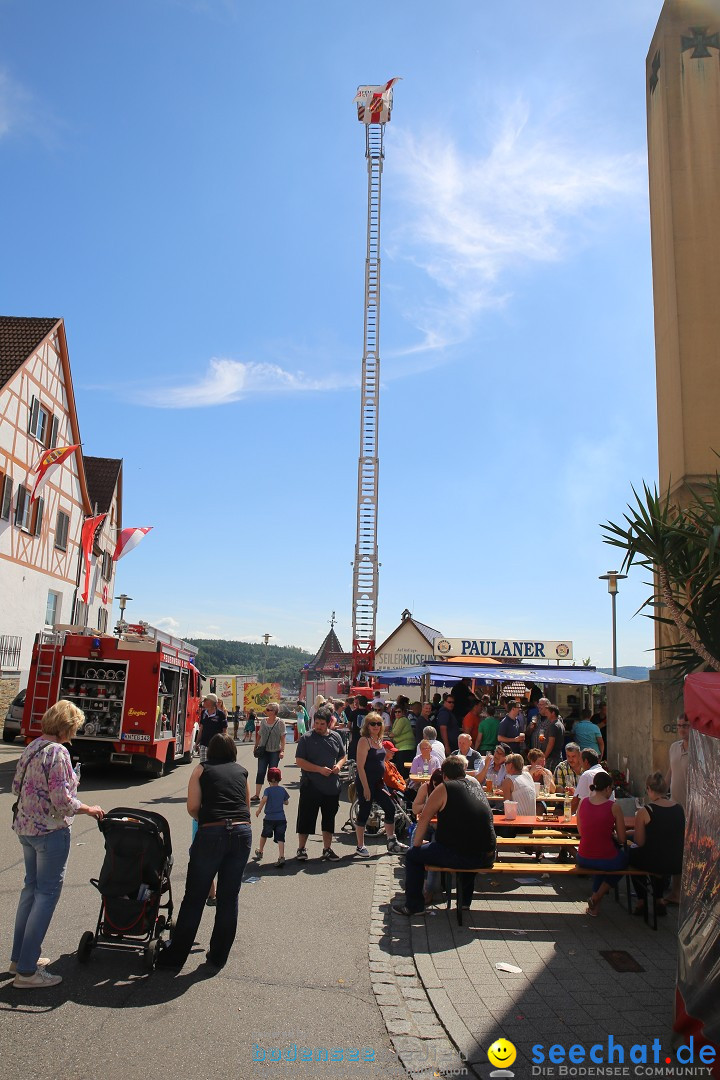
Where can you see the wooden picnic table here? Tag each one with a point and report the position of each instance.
(525, 821)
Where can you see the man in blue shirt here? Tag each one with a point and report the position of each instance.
(448, 725)
(512, 728)
(588, 735)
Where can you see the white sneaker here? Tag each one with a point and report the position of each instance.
(42, 961)
(41, 980)
(395, 847)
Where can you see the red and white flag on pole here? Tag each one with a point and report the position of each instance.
(90, 527)
(49, 459)
(129, 539)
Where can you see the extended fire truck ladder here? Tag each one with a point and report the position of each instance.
(374, 108)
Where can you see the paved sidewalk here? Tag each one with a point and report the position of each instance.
(443, 999)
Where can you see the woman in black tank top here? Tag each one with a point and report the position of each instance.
(219, 799)
(660, 839)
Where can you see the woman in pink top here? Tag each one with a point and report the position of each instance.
(601, 827)
(45, 787)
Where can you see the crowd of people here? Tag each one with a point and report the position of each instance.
(459, 742)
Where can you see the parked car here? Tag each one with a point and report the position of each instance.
(11, 728)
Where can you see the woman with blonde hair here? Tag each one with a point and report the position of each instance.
(45, 787)
(370, 760)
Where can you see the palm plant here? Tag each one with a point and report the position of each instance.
(680, 546)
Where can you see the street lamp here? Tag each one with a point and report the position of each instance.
(612, 577)
(122, 601)
(266, 638)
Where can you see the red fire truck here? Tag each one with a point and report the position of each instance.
(140, 692)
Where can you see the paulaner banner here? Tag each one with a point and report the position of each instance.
(503, 648)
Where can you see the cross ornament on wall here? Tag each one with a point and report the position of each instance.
(701, 42)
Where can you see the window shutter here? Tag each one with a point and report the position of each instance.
(39, 510)
(20, 506)
(34, 408)
(6, 504)
(54, 432)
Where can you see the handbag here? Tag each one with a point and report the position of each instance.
(16, 805)
(259, 748)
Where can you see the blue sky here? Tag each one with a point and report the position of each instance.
(184, 182)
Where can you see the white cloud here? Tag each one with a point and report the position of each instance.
(231, 380)
(14, 104)
(168, 624)
(533, 196)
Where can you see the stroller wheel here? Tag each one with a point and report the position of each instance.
(86, 946)
(150, 955)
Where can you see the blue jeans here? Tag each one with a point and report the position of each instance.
(619, 862)
(215, 851)
(437, 854)
(269, 759)
(45, 862)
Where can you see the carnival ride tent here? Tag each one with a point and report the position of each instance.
(697, 1002)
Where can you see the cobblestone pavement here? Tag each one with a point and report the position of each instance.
(444, 1001)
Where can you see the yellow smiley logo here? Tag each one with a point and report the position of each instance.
(502, 1053)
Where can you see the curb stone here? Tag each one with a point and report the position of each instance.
(424, 1035)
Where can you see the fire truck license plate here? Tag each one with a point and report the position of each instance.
(134, 736)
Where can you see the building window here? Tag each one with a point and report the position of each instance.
(80, 613)
(6, 498)
(42, 425)
(52, 611)
(107, 565)
(37, 516)
(22, 507)
(102, 619)
(62, 527)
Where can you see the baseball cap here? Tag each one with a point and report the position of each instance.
(389, 745)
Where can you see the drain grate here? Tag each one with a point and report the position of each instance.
(620, 960)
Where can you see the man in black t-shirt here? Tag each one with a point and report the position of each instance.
(320, 755)
(212, 722)
(465, 836)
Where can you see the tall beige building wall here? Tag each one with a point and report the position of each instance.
(683, 116)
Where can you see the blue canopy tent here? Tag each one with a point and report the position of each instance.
(442, 674)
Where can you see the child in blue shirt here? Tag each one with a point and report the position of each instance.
(275, 799)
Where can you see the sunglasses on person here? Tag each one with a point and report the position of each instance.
(375, 723)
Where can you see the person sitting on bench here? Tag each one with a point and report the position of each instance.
(464, 837)
(601, 827)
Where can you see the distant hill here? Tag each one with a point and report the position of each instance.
(639, 674)
(284, 662)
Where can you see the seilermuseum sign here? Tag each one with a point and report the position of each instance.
(502, 649)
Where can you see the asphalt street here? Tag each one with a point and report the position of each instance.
(297, 977)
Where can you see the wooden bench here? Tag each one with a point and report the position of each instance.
(552, 870)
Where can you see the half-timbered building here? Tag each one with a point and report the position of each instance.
(40, 550)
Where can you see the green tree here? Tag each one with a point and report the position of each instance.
(680, 546)
(284, 663)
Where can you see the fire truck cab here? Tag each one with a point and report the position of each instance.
(139, 691)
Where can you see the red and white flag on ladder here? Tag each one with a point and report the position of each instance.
(129, 539)
(49, 460)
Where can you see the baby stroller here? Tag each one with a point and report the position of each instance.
(135, 876)
(376, 821)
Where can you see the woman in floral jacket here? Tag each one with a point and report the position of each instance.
(45, 787)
